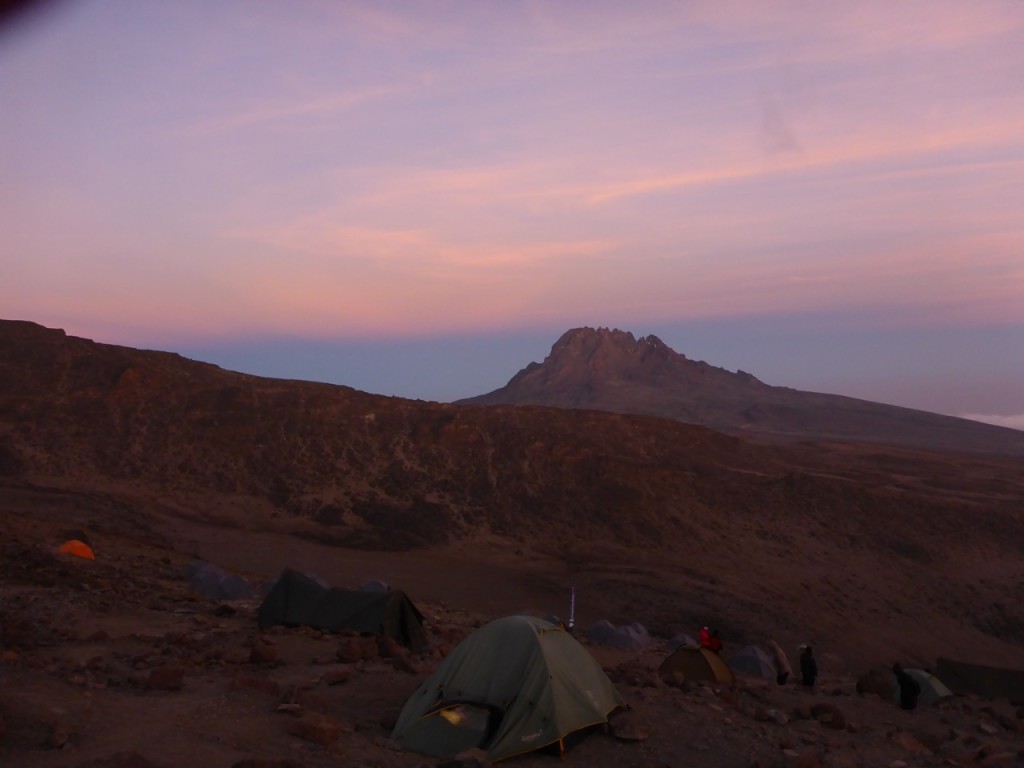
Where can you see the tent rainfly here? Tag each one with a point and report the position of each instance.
(696, 664)
(515, 685)
(298, 600)
(77, 548)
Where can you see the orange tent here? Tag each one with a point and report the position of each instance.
(78, 549)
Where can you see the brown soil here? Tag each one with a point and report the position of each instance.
(81, 639)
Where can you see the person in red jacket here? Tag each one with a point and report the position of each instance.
(715, 642)
(710, 640)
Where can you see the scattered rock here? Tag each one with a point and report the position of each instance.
(337, 675)
(808, 759)
(471, 758)
(122, 760)
(264, 653)
(388, 647)
(251, 683)
(627, 726)
(60, 734)
(404, 662)
(877, 681)
(353, 649)
(165, 679)
(830, 716)
(910, 743)
(1002, 760)
(729, 698)
(316, 728)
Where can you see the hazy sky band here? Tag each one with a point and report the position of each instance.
(189, 174)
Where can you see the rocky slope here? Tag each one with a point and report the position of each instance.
(117, 664)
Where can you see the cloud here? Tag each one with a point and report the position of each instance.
(266, 113)
(1013, 421)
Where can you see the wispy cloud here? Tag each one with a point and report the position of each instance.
(268, 113)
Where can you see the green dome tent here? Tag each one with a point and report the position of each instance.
(515, 685)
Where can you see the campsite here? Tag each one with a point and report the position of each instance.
(259, 573)
(120, 661)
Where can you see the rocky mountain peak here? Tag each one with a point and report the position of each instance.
(613, 370)
(607, 352)
(590, 341)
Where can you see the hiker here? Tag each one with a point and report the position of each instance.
(715, 642)
(910, 689)
(782, 667)
(808, 666)
(705, 637)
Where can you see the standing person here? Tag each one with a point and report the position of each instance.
(909, 687)
(808, 666)
(782, 668)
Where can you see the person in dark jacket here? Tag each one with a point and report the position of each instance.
(808, 666)
(910, 689)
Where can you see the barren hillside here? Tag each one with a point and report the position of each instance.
(872, 550)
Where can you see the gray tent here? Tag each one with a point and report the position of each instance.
(753, 660)
(932, 689)
(680, 641)
(208, 580)
(981, 680)
(600, 631)
(628, 637)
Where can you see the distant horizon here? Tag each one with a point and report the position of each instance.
(433, 369)
(417, 199)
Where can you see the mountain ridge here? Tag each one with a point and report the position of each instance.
(612, 370)
(649, 517)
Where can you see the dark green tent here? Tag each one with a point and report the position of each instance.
(515, 685)
(981, 680)
(298, 600)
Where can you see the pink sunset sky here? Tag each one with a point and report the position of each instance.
(418, 198)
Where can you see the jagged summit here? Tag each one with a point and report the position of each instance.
(613, 370)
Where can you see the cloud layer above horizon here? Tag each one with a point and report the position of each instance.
(198, 173)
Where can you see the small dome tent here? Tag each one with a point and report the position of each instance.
(932, 689)
(208, 580)
(515, 685)
(77, 548)
(753, 660)
(696, 664)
